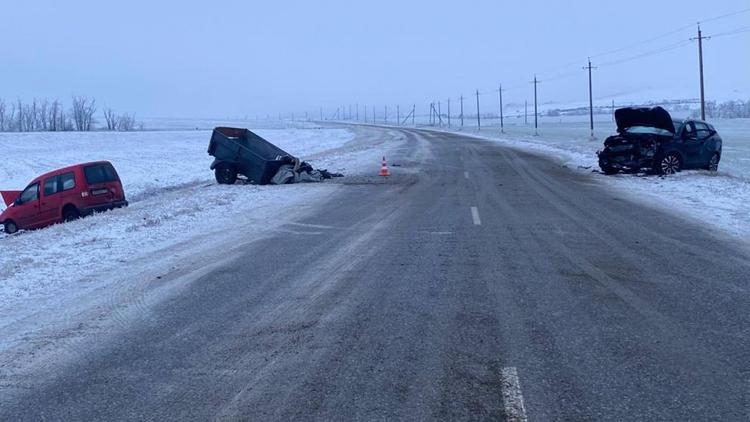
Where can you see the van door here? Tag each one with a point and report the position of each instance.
(28, 207)
(49, 205)
(101, 179)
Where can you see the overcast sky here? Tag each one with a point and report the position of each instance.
(225, 58)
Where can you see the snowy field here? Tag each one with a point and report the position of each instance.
(718, 200)
(176, 206)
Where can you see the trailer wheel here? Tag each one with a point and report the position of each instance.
(225, 174)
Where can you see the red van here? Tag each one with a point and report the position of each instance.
(63, 195)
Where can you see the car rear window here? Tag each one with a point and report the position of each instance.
(100, 173)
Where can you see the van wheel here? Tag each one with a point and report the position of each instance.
(225, 174)
(70, 214)
(669, 164)
(10, 227)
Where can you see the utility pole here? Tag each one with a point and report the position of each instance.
(526, 112)
(357, 111)
(479, 119)
(413, 112)
(591, 99)
(700, 39)
(398, 115)
(536, 113)
(373, 115)
(385, 116)
(321, 114)
(462, 111)
(440, 115)
(500, 93)
(449, 113)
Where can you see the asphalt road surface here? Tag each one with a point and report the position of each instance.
(477, 282)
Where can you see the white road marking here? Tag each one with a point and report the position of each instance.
(466, 175)
(512, 397)
(475, 216)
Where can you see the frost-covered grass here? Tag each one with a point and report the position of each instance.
(177, 210)
(719, 200)
(147, 162)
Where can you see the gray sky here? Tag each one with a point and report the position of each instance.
(233, 58)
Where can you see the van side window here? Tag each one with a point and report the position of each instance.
(100, 173)
(67, 181)
(30, 194)
(50, 186)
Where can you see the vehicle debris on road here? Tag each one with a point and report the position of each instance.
(239, 152)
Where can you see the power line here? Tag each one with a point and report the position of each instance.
(648, 53)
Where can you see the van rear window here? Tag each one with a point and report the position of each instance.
(100, 173)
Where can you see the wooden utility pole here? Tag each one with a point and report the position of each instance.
(479, 120)
(462, 111)
(357, 111)
(449, 113)
(526, 112)
(700, 39)
(536, 113)
(500, 93)
(413, 112)
(440, 115)
(398, 115)
(591, 99)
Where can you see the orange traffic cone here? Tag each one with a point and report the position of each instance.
(384, 169)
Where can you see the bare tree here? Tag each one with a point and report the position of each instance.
(111, 118)
(2, 115)
(19, 116)
(126, 122)
(83, 112)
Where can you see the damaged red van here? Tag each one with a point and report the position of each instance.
(63, 195)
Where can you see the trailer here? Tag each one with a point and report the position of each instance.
(240, 152)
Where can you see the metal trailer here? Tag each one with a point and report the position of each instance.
(242, 152)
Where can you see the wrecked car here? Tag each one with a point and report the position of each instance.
(649, 140)
(63, 195)
(242, 153)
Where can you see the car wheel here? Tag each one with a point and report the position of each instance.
(225, 174)
(713, 164)
(10, 227)
(70, 214)
(670, 164)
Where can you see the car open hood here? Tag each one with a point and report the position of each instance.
(9, 196)
(655, 117)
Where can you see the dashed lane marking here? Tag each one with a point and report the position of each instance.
(512, 397)
(475, 216)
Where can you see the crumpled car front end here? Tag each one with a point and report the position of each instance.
(627, 154)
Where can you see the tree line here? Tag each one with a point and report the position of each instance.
(52, 116)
